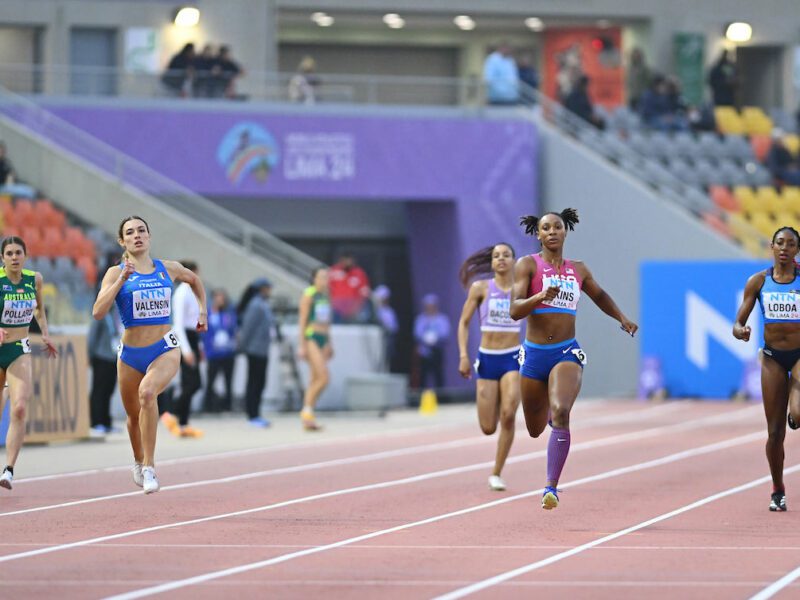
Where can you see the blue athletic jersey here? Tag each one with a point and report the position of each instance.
(780, 302)
(146, 299)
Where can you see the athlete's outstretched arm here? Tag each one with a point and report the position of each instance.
(741, 331)
(604, 301)
(474, 298)
(178, 272)
(521, 304)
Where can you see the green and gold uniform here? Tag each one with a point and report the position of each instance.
(320, 312)
(18, 302)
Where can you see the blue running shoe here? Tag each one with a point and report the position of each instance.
(550, 498)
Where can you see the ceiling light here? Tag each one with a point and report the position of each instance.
(186, 16)
(318, 15)
(739, 32)
(464, 22)
(394, 21)
(325, 21)
(534, 23)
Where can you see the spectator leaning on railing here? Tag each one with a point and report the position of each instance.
(501, 76)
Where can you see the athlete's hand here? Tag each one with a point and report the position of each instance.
(464, 367)
(127, 269)
(202, 323)
(628, 326)
(49, 347)
(741, 333)
(3, 336)
(550, 293)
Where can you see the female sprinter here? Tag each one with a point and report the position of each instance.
(149, 355)
(497, 364)
(315, 346)
(547, 288)
(21, 301)
(776, 291)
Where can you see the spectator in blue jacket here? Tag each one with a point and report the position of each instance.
(219, 343)
(501, 76)
(255, 335)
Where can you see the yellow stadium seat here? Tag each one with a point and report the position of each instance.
(755, 121)
(728, 120)
(791, 198)
(763, 223)
(784, 218)
(740, 227)
(768, 199)
(746, 197)
(753, 246)
(792, 143)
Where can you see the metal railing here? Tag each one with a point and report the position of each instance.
(129, 171)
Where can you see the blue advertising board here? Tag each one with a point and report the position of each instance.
(687, 313)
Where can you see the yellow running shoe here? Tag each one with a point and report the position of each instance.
(550, 498)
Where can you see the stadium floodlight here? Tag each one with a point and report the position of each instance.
(186, 16)
(464, 22)
(738, 32)
(394, 21)
(534, 23)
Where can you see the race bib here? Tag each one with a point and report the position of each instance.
(569, 294)
(151, 304)
(171, 339)
(498, 312)
(521, 356)
(580, 355)
(26, 345)
(783, 306)
(18, 312)
(322, 312)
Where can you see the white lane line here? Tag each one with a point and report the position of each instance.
(368, 487)
(473, 440)
(634, 415)
(503, 577)
(158, 589)
(782, 583)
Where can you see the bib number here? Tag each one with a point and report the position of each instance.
(172, 340)
(521, 357)
(580, 355)
(26, 345)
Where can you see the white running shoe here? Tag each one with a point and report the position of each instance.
(150, 481)
(137, 474)
(6, 478)
(496, 483)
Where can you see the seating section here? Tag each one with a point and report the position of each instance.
(67, 254)
(720, 176)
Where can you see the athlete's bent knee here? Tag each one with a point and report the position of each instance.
(507, 420)
(560, 416)
(18, 412)
(147, 396)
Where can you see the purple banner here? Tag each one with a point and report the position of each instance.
(469, 178)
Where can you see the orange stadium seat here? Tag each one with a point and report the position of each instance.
(717, 223)
(55, 244)
(34, 241)
(24, 215)
(761, 145)
(89, 269)
(723, 198)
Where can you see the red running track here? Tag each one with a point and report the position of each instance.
(665, 501)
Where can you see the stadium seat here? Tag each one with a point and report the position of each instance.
(737, 147)
(54, 241)
(746, 197)
(763, 223)
(756, 121)
(715, 222)
(767, 197)
(758, 175)
(784, 217)
(791, 198)
(728, 120)
(89, 269)
(724, 199)
(34, 242)
(761, 145)
(792, 143)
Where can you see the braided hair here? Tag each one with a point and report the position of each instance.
(480, 263)
(531, 222)
(786, 228)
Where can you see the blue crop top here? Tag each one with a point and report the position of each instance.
(146, 299)
(780, 302)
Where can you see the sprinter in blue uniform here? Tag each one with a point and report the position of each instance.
(777, 290)
(149, 356)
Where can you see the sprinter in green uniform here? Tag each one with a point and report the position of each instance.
(21, 302)
(314, 326)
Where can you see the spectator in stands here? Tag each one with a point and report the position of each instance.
(780, 162)
(724, 79)
(701, 118)
(180, 72)
(103, 344)
(229, 72)
(637, 78)
(6, 168)
(349, 290)
(387, 319)
(570, 70)
(255, 336)
(661, 107)
(579, 103)
(302, 85)
(219, 344)
(501, 77)
(206, 69)
(527, 75)
(431, 332)
(185, 315)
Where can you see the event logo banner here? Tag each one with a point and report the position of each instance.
(687, 315)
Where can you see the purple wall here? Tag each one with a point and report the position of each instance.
(467, 179)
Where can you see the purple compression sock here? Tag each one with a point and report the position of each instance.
(557, 451)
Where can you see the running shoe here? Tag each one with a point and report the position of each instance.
(150, 481)
(496, 483)
(137, 474)
(309, 421)
(170, 421)
(6, 478)
(778, 502)
(259, 422)
(790, 421)
(188, 431)
(550, 498)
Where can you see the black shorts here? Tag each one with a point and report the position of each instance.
(785, 358)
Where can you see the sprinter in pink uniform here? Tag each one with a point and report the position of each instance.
(547, 288)
(497, 365)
